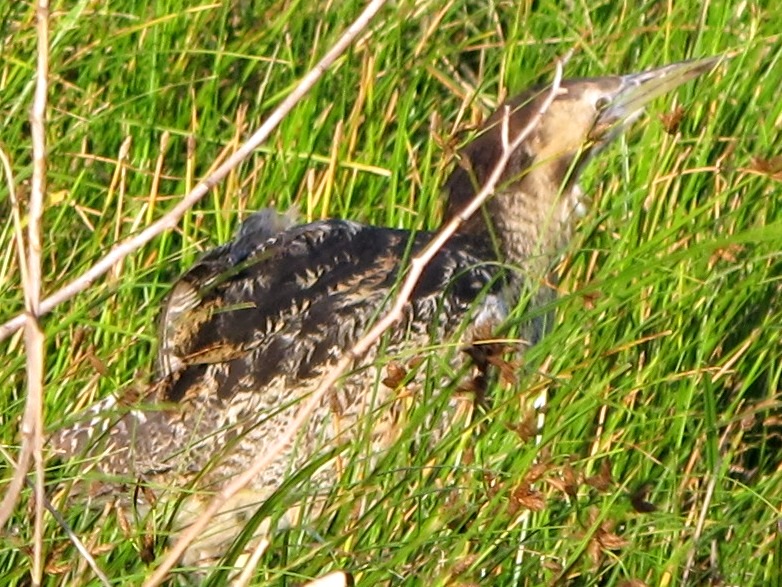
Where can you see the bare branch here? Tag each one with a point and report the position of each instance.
(417, 266)
(32, 421)
(170, 219)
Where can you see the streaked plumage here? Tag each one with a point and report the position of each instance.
(248, 331)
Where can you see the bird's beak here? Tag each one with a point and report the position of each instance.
(637, 90)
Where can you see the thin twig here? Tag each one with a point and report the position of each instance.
(252, 562)
(32, 421)
(170, 219)
(35, 337)
(417, 265)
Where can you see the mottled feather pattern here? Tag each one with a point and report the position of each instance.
(243, 335)
(314, 288)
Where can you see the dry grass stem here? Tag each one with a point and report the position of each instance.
(252, 563)
(702, 518)
(23, 464)
(32, 420)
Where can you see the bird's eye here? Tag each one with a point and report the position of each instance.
(602, 103)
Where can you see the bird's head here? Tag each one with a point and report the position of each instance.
(539, 181)
(588, 113)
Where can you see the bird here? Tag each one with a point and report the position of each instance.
(248, 331)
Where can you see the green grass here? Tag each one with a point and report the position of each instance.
(665, 362)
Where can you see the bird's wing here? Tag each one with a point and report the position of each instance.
(289, 305)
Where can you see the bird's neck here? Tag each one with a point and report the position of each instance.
(529, 226)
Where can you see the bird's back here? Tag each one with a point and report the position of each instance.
(246, 333)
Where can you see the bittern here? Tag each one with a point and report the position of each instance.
(251, 328)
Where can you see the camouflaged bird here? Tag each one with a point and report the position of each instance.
(249, 330)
